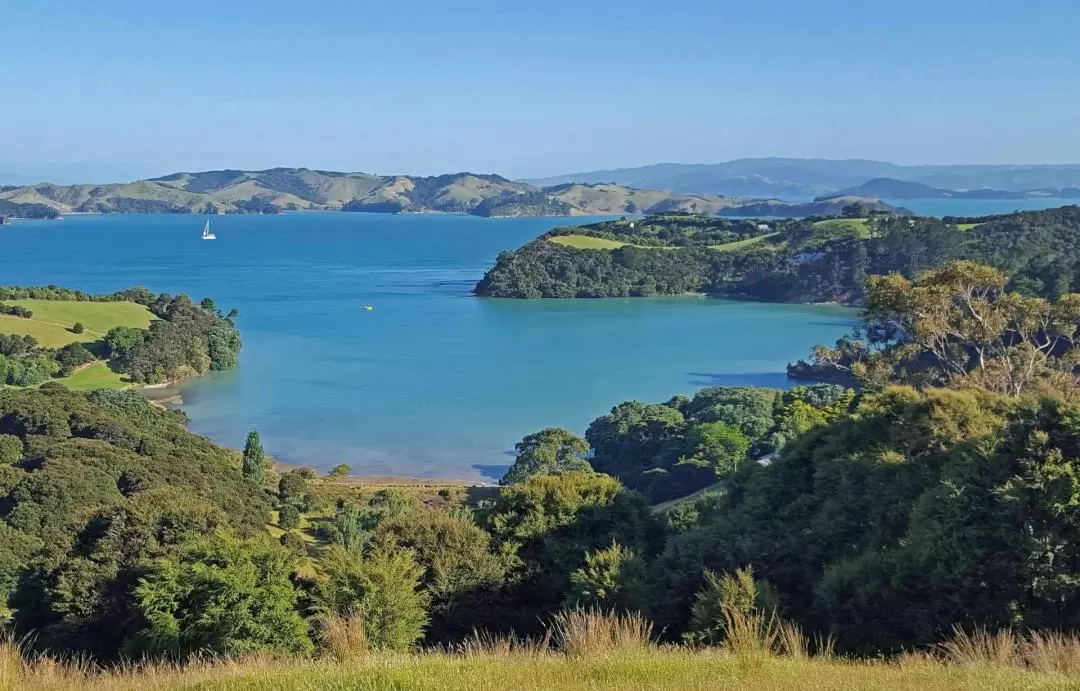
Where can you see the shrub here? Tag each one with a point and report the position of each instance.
(11, 448)
(78, 328)
(289, 517)
(246, 601)
(294, 542)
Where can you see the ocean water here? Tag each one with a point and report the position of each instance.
(978, 207)
(433, 382)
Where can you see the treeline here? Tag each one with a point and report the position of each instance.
(801, 261)
(16, 311)
(54, 292)
(24, 363)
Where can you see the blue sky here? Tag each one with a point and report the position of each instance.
(116, 89)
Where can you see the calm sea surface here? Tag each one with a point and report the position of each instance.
(433, 382)
(978, 207)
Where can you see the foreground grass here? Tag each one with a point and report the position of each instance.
(655, 668)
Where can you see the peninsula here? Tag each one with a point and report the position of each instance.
(51, 335)
(792, 260)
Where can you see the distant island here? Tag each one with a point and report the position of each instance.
(300, 189)
(818, 177)
(890, 188)
(810, 260)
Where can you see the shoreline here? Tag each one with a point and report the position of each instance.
(383, 480)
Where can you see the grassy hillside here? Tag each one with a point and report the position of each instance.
(52, 325)
(96, 317)
(96, 375)
(53, 319)
(285, 189)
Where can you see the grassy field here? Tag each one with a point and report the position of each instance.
(96, 376)
(739, 244)
(858, 225)
(97, 317)
(588, 242)
(653, 668)
(966, 226)
(53, 319)
(51, 326)
(47, 335)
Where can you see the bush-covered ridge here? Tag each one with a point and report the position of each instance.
(802, 261)
(93, 488)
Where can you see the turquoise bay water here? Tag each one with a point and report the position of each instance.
(433, 382)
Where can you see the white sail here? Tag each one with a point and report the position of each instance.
(206, 234)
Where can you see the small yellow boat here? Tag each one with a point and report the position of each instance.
(368, 308)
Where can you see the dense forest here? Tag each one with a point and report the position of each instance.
(810, 260)
(943, 492)
(184, 339)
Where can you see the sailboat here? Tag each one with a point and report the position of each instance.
(206, 234)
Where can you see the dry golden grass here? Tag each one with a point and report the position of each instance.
(591, 632)
(343, 638)
(593, 650)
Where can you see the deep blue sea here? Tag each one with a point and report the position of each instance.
(433, 382)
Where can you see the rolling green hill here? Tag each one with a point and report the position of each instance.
(299, 189)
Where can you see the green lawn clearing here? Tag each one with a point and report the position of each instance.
(587, 242)
(96, 317)
(739, 244)
(857, 225)
(95, 376)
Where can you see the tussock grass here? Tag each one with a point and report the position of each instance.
(980, 648)
(343, 637)
(486, 644)
(1051, 651)
(592, 632)
(592, 650)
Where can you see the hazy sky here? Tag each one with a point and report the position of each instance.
(108, 89)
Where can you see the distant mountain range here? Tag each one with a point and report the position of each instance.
(889, 188)
(297, 189)
(822, 177)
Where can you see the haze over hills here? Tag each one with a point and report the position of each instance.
(298, 189)
(820, 177)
